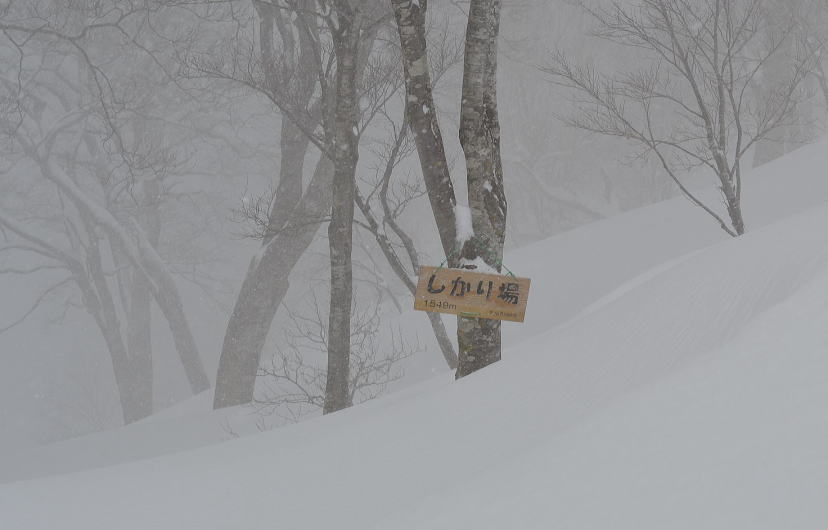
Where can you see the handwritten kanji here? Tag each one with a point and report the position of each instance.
(510, 293)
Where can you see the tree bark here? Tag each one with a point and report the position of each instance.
(340, 229)
(422, 116)
(479, 339)
(263, 290)
(266, 282)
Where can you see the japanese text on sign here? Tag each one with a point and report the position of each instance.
(473, 294)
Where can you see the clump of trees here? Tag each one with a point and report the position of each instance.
(721, 78)
(341, 53)
(109, 108)
(86, 132)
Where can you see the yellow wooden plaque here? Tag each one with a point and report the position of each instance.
(472, 294)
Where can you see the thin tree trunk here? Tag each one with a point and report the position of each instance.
(142, 255)
(340, 229)
(422, 116)
(778, 141)
(266, 282)
(479, 339)
(139, 314)
(436, 321)
(139, 340)
(98, 300)
(127, 378)
(734, 207)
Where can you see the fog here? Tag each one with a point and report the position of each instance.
(210, 204)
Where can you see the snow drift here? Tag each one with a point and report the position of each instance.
(690, 395)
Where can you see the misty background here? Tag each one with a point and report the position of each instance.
(159, 114)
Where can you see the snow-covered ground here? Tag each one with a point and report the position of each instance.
(667, 377)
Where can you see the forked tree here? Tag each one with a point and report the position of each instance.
(479, 341)
(85, 135)
(695, 104)
(294, 63)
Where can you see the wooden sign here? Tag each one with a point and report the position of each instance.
(472, 294)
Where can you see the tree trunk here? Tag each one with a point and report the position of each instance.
(139, 340)
(263, 289)
(389, 219)
(479, 339)
(422, 116)
(293, 145)
(340, 229)
(778, 141)
(734, 209)
(139, 314)
(127, 378)
(266, 282)
(142, 255)
(97, 298)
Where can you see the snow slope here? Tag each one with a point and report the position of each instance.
(692, 396)
(570, 273)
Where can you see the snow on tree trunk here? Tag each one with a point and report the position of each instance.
(479, 339)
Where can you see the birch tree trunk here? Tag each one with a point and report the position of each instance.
(479, 339)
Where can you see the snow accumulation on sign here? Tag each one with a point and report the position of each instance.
(472, 294)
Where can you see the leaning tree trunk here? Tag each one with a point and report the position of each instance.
(422, 115)
(141, 254)
(127, 378)
(88, 273)
(436, 321)
(293, 220)
(479, 339)
(266, 282)
(340, 229)
(263, 290)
